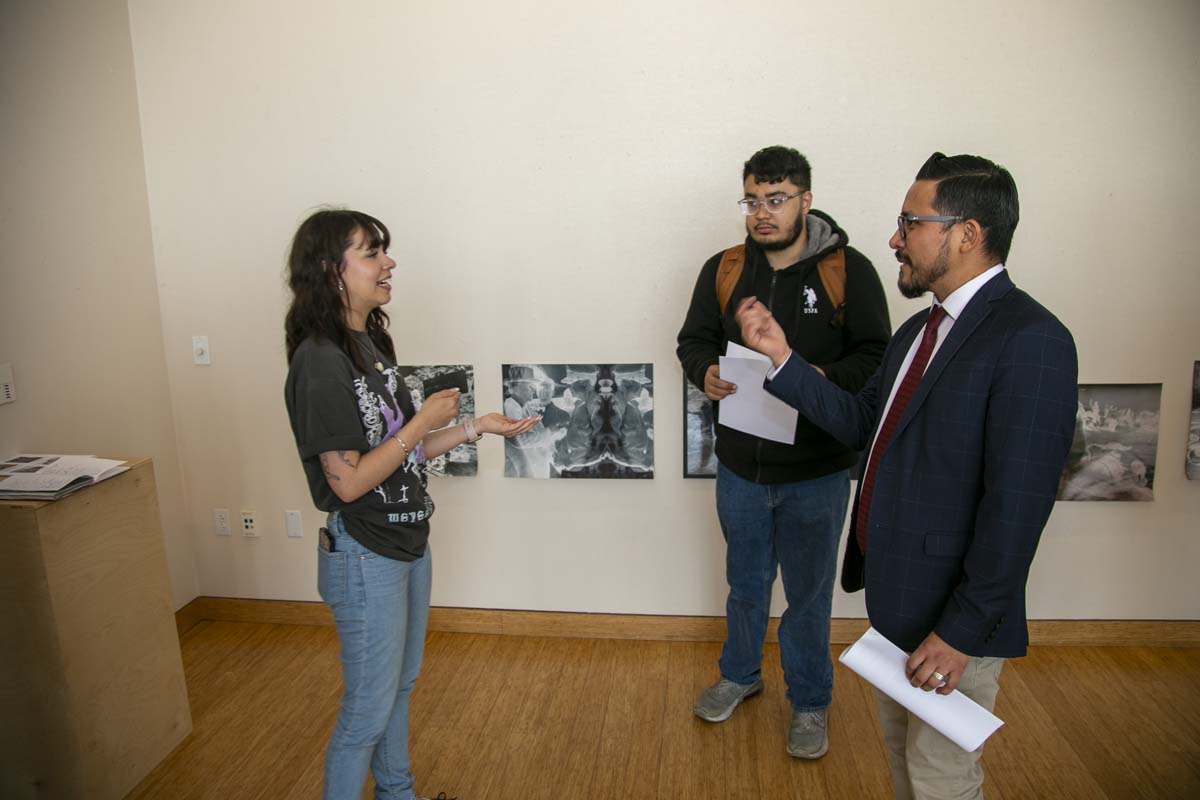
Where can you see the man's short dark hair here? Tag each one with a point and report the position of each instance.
(776, 164)
(975, 188)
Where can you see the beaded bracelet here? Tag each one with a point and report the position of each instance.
(403, 446)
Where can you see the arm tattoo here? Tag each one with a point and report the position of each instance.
(325, 468)
(349, 457)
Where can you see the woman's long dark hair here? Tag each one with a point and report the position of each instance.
(315, 265)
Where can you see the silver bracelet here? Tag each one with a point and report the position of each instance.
(469, 427)
(403, 446)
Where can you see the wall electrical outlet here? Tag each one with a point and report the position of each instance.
(221, 526)
(248, 527)
(294, 523)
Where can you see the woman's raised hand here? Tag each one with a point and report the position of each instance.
(439, 409)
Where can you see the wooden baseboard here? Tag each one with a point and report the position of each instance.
(190, 615)
(1087, 632)
(1115, 632)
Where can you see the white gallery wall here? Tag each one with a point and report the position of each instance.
(554, 174)
(79, 312)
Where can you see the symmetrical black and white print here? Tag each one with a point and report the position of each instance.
(1193, 448)
(1115, 446)
(597, 420)
(462, 461)
(699, 434)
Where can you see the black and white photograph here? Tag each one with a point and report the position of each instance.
(1193, 448)
(597, 420)
(699, 434)
(25, 464)
(1115, 445)
(422, 381)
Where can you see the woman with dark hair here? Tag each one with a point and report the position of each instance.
(363, 438)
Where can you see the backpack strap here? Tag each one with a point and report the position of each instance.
(728, 272)
(832, 269)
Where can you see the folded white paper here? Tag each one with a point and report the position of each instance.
(956, 716)
(750, 409)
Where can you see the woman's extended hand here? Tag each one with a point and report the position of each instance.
(505, 426)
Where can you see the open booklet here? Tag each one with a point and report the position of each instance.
(49, 477)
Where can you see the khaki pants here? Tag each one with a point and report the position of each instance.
(926, 765)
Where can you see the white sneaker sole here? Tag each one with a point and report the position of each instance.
(810, 756)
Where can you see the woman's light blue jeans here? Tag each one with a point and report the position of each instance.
(795, 528)
(380, 607)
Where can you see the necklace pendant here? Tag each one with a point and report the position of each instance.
(379, 366)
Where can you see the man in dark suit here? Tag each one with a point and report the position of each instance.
(967, 423)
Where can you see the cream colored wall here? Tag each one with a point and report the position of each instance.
(79, 313)
(555, 174)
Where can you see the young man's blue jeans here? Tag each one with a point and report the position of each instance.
(794, 527)
(380, 607)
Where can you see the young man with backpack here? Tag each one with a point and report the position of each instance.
(782, 506)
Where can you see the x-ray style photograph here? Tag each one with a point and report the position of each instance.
(1193, 445)
(461, 461)
(1115, 445)
(699, 434)
(597, 420)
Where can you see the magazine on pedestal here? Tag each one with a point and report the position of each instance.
(50, 477)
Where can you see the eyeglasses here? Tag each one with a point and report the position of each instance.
(904, 221)
(774, 204)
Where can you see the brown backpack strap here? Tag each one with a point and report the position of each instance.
(832, 269)
(728, 272)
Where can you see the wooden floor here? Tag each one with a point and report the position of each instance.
(498, 717)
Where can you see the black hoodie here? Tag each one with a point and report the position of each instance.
(848, 354)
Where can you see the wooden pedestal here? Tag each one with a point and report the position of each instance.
(92, 695)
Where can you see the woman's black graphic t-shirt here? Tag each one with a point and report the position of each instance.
(334, 407)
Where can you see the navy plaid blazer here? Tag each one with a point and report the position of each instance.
(967, 483)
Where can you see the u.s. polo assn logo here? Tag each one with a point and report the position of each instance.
(810, 301)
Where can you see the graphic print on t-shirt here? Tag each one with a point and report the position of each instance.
(383, 418)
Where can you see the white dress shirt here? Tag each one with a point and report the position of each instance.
(953, 305)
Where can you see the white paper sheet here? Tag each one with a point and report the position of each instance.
(750, 409)
(956, 716)
(735, 350)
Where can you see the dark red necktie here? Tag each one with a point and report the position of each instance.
(899, 403)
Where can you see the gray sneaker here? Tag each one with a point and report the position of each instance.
(807, 737)
(718, 701)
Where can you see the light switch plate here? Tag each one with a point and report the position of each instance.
(200, 353)
(294, 524)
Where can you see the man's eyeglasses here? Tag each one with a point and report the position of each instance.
(905, 221)
(774, 204)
